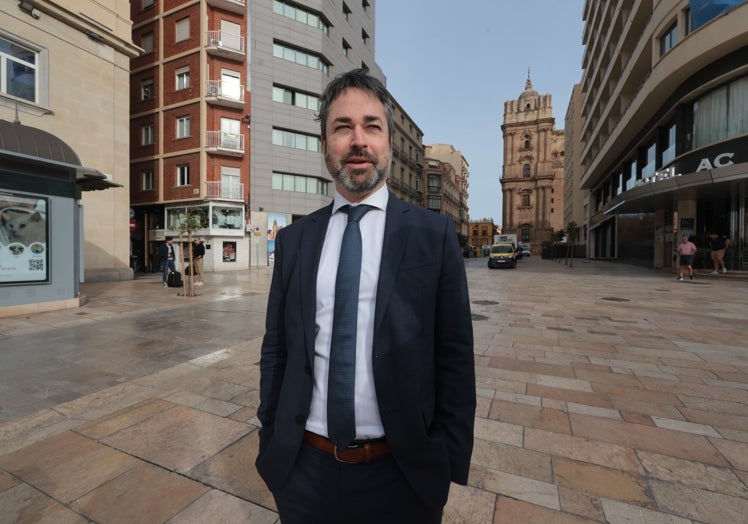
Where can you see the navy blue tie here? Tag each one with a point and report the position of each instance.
(341, 420)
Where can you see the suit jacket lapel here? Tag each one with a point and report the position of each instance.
(393, 248)
(310, 250)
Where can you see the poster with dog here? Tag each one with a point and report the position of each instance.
(24, 236)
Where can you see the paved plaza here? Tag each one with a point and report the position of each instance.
(606, 393)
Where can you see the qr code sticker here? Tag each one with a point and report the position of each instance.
(36, 265)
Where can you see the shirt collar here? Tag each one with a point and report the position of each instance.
(377, 199)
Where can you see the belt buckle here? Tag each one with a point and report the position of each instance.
(335, 454)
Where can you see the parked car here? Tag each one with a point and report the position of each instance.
(502, 255)
(525, 250)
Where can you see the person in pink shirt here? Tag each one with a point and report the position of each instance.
(687, 251)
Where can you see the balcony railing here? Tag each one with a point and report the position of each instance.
(224, 190)
(227, 94)
(225, 44)
(224, 143)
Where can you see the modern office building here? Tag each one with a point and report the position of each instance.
(665, 127)
(65, 139)
(532, 178)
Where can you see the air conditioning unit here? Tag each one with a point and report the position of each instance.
(215, 42)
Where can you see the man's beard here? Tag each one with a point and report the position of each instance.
(349, 178)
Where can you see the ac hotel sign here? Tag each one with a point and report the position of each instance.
(713, 157)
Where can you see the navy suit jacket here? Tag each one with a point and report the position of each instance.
(422, 354)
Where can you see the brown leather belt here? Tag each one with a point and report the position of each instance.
(353, 454)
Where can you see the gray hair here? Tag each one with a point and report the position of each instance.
(357, 79)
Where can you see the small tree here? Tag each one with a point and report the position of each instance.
(193, 220)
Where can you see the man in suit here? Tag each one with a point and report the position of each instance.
(414, 367)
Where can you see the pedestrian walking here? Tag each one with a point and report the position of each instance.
(718, 244)
(167, 256)
(686, 251)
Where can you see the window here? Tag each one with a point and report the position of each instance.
(346, 11)
(146, 42)
(721, 114)
(146, 4)
(365, 4)
(146, 180)
(434, 183)
(183, 127)
(231, 85)
(231, 186)
(300, 184)
(434, 202)
(669, 39)
(19, 72)
(183, 78)
(648, 169)
(231, 133)
(301, 15)
(630, 175)
(525, 234)
(300, 57)
(182, 30)
(183, 175)
(668, 154)
(296, 140)
(525, 200)
(526, 170)
(364, 36)
(147, 90)
(346, 48)
(292, 97)
(146, 135)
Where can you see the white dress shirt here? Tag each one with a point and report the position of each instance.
(368, 422)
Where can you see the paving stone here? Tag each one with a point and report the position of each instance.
(145, 494)
(601, 481)
(64, 457)
(658, 440)
(22, 503)
(617, 512)
(579, 503)
(522, 488)
(178, 439)
(699, 504)
(694, 474)
(534, 417)
(468, 505)
(511, 459)
(580, 449)
(735, 452)
(225, 509)
(510, 511)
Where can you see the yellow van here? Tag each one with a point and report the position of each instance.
(502, 255)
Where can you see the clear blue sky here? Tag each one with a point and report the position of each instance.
(451, 65)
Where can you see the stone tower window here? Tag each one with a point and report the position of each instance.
(526, 170)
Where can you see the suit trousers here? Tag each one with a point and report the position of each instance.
(321, 490)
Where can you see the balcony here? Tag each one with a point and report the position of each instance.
(225, 45)
(226, 94)
(224, 191)
(222, 143)
(235, 6)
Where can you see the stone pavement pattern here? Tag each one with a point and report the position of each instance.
(606, 393)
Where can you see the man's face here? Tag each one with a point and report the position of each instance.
(357, 146)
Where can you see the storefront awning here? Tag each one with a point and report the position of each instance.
(24, 143)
